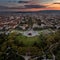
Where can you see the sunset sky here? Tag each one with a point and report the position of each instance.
(29, 5)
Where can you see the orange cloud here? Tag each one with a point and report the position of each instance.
(49, 6)
(55, 5)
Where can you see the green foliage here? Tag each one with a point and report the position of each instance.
(37, 45)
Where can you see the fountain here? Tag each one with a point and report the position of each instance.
(30, 33)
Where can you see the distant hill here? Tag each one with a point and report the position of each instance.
(43, 11)
(50, 11)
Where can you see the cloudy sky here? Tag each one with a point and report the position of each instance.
(29, 5)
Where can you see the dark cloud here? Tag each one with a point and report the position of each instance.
(23, 1)
(56, 3)
(3, 7)
(28, 7)
(23, 7)
(34, 6)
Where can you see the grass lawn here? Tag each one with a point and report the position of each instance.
(27, 41)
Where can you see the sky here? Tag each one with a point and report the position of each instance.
(29, 5)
